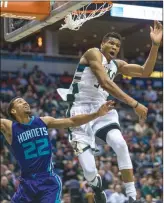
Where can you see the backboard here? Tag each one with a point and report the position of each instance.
(16, 29)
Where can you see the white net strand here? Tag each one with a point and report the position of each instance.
(75, 20)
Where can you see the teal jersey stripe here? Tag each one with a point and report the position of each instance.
(115, 64)
(58, 196)
(30, 122)
(80, 68)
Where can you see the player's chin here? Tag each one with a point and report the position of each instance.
(112, 56)
(28, 111)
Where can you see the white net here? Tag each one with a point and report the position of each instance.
(75, 20)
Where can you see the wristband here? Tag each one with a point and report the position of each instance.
(156, 44)
(136, 105)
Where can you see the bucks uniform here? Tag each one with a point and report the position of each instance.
(86, 96)
(32, 149)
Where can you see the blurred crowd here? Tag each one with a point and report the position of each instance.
(144, 139)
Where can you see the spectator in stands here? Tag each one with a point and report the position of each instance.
(70, 172)
(150, 94)
(6, 190)
(140, 127)
(139, 197)
(24, 70)
(10, 178)
(66, 198)
(109, 191)
(3, 166)
(150, 189)
(117, 196)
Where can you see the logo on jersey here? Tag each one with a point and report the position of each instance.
(37, 132)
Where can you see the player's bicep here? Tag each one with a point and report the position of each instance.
(100, 74)
(2, 126)
(57, 123)
(94, 59)
(133, 70)
(6, 129)
(5, 125)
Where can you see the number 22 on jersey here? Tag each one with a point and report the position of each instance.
(36, 148)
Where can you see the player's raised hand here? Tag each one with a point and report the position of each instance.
(109, 105)
(141, 111)
(156, 33)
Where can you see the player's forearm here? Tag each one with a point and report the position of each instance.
(116, 92)
(150, 62)
(82, 119)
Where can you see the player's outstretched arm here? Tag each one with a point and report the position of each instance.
(135, 70)
(77, 120)
(6, 128)
(94, 59)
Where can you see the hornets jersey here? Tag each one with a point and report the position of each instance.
(31, 146)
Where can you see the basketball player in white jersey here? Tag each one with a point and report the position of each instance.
(90, 88)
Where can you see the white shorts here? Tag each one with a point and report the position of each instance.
(86, 133)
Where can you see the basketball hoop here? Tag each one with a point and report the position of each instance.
(76, 19)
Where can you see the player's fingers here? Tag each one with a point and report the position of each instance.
(110, 107)
(144, 116)
(160, 25)
(151, 29)
(110, 103)
(155, 24)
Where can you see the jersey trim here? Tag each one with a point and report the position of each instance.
(30, 122)
(81, 67)
(115, 64)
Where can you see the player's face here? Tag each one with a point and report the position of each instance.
(21, 107)
(111, 48)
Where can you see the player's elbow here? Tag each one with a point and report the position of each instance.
(145, 74)
(107, 84)
(103, 84)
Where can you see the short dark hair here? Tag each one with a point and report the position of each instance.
(113, 35)
(10, 106)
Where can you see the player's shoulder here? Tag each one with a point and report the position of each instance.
(93, 53)
(93, 50)
(47, 119)
(6, 129)
(6, 122)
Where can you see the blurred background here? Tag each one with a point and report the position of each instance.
(37, 65)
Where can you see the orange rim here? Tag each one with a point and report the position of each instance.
(101, 2)
(99, 10)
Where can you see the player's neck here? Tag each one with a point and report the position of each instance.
(105, 56)
(23, 120)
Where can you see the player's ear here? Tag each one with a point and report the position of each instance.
(13, 111)
(102, 45)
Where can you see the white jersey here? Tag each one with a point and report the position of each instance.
(86, 96)
(85, 87)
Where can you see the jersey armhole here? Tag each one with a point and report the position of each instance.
(12, 134)
(114, 61)
(42, 122)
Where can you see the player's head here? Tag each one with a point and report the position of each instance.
(18, 107)
(111, 44)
